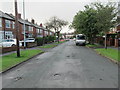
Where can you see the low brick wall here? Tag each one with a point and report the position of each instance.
(8, 49)
(29, 45)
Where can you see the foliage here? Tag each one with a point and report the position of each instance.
(96, 19)
(46, 39)
(39, 41)
(56, 24)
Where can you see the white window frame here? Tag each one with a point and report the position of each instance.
(8, 35)
(30, 28)
(38, 30)
(7, 23)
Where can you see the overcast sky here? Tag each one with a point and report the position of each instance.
(42, 10)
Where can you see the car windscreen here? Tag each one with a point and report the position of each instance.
(81, 37)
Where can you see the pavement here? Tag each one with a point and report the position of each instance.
(43, 49)
(65, 66)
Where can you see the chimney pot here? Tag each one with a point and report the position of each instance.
(41, 25)
(33, 21)
(19, 15)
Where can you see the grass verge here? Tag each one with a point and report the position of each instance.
(11, 60)
(48, 46)
(93, 45)
(52, 45)
(111, 53)
(59, 42)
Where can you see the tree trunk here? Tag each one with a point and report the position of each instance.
(58, 34)
(105, 41)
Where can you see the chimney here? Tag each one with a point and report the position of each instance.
(46, 27)
(19, 15)
(33, 21)
(41, 25)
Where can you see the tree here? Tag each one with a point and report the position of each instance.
(56, 24)
(105, 18)
(95, 19)
(84, 22)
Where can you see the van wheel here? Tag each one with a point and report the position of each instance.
(13, 45)
(84, 44)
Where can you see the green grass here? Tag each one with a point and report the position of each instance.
(59, 42)
(48, 46)
(52, 45)
(8, 61)
(93, 45)
(111, 53)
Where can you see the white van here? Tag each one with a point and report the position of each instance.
(80, 39)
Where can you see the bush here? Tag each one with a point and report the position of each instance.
(51, 38)
(46, 39)
(39, 41)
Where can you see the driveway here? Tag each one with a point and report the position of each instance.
(65, 66)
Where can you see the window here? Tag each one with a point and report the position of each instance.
(7, 23)
(38, 30)
(30, 35)
(80, 37)
(8, 35)
(0, 22)
(30, 28)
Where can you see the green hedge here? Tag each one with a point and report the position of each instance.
(39, 41)
(45, 40)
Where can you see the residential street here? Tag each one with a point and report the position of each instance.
(65, 66)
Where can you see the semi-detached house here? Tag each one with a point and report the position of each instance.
(7, 27)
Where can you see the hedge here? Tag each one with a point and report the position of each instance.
(45, 40)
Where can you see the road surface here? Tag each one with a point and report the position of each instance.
(65, 66)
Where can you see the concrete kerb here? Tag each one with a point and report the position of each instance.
(21, 63)
(114, 61)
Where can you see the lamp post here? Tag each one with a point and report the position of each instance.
(24, 24)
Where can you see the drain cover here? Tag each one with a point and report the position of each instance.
(68, 56)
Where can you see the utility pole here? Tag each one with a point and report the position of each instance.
(17, 28)
(24, 23)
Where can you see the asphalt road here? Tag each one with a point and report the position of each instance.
(65, 66)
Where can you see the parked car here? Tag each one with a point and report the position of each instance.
(9, 43)
(80, 39)
(29, 40)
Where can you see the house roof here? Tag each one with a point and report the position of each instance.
(12, 17)
(4, 15)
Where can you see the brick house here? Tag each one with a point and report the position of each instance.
(7, 27)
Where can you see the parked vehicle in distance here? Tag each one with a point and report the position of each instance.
(9, 43)
(29, 40)
(80, 39)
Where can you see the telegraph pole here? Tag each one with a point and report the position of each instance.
(17, 28)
